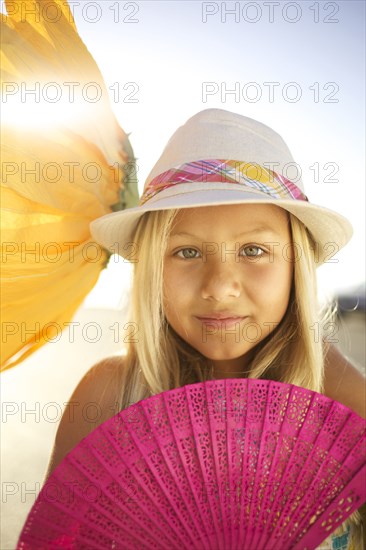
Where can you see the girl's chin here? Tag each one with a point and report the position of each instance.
(222, 356)
(214, 349)
(230, 353)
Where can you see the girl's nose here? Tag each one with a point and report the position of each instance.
(221, 281)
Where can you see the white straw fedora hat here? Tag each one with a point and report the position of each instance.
(219, 157)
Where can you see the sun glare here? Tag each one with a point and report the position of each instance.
(41, 113)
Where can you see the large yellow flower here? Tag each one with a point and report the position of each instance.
(64, 162)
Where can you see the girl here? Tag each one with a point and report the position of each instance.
(224, 250)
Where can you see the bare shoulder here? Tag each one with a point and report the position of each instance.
(95, 399)
(99, 386)
(344, 382)
(107, 370)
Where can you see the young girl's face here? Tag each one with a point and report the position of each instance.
(233, 262)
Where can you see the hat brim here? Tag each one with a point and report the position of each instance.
(330, 230)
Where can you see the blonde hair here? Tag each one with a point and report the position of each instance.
(159, 360)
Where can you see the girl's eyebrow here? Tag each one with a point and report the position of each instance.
(261, 229)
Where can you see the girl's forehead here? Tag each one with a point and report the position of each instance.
(232, 222)
(232, 214)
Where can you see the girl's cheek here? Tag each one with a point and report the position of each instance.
(174, 278)
(263, 276)
(270, 279)
(176, 283)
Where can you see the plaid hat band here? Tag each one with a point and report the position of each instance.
(241, 173)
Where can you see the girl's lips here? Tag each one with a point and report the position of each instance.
(228, 321)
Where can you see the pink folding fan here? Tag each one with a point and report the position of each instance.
(225, 464)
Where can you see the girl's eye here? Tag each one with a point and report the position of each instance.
(250, 251)
(253, 251)
(190, 255)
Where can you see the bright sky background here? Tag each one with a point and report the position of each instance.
(168, 53)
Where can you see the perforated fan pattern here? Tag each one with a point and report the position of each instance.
(226, 464)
